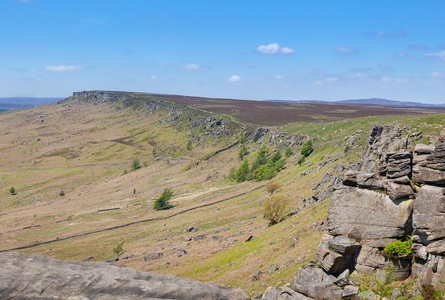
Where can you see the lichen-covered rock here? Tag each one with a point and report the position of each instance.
(283, 294)
(369, 216)
(422, 149)
(397, 191)
(423, 175)
(36, 277)
(398, 164)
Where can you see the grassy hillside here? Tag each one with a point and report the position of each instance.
(85, 149)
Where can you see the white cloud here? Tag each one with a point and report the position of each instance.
(234, 78)
(345, 50)
(318, 82)
(401, 55)
(63, 68)
(359, 75)
(154, 77)
(274, 48)
(402, 80)
(385, 67)
(435, 55)
(278, 77)
(386, 78)
(437, 75)
(419, 47)
(332, 79)
(192, 67)
(382, 33)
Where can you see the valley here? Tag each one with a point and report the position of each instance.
(215, 231)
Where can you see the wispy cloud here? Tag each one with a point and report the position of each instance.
(63, 68)
(382, 33)
(345, 50)
(192, 67)
(154, 77)
(437, 75)
(234, 78)
(435, 55)
(385, 67)
(419, 47)
(278, 77)
(274, 48)
(401, 55)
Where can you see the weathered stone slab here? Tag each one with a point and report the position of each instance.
(429, 215)
(368, 215)
(422, 149)
(369, 181)
(398, 191)
(36, 277)
(428, 176)
(398, 164)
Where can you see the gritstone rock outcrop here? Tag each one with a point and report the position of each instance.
(35, 277)
(390, 194)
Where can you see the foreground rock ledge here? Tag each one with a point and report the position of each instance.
(36, 277)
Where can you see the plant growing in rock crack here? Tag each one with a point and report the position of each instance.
(397, 249)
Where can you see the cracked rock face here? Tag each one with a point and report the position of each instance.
(35, 277)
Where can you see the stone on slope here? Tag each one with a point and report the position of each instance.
(36, 277)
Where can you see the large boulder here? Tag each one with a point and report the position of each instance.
(429, 218)
(366, 215)
(398, 164)
(36, 277)
(312, 281)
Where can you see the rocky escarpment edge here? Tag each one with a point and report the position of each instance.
(36, 277)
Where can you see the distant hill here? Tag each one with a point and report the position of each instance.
(370, 101)
(25, 102)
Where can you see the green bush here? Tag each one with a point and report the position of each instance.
(275, 208)
(242, 152)
(188, 145)
(243, 171)
(242, 139)
(136, 164)
(12, 190)
(61, 193)
(163, 201)
(397, 249)
(307, 148)
(118, 248)
(288, 152)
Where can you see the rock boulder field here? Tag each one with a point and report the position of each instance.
(36, 277)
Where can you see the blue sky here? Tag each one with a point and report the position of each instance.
(250, 49)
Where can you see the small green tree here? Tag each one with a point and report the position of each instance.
(154, 152)
(188, 145)
(242, 139)
(118, 248)
(136, 164)
(307, 148)
(288, 152)
(12, 191)
(243, 152)
(163, 201)
(61, 193)
(300, 160)
(243, 171)
(275, 208)
(271, 187)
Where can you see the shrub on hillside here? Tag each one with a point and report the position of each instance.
(242, 152)
(118, 248)
(136, 164)
(61, 193)
(271, 187)
(288, 152)
(275, 208)
(163, 201)
(242, 139)
(188, 145)
(12, 190)
(307, 148)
